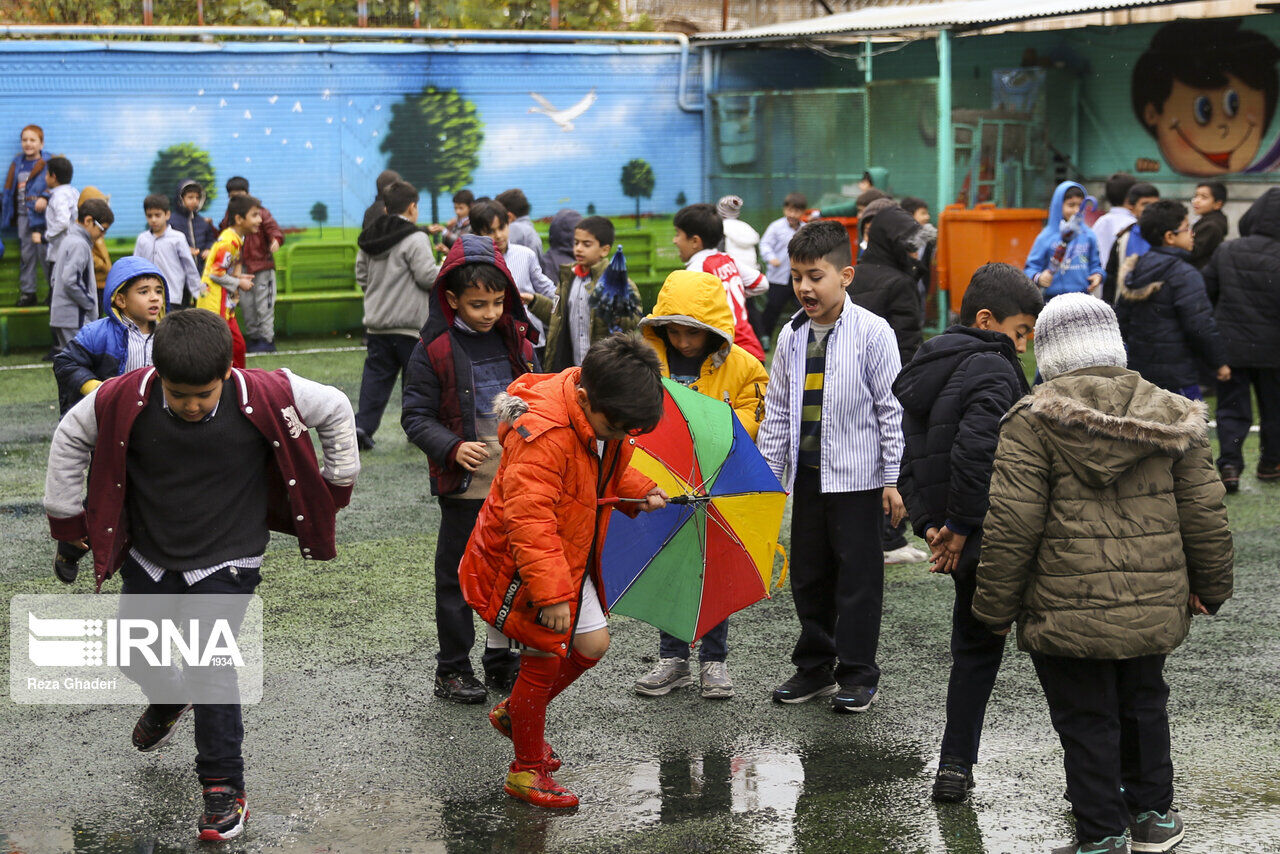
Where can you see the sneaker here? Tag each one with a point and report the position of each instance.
(906, 554)
(1230, 478)
(66, 561)
(268, 347)
(953, 781)
(804, 686)
(857, 698)
(155, 726)
(1268, 473)
(460, 688)
(363, 440)
(716, 684)
(226, 809)
(1153, 831)
(501, 720)
(26, 300)
(670, 673)
(1110, 845)
(539, 789)
(503, 680)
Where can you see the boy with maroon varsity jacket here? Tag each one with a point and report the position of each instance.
(476, 340)
(201, 525)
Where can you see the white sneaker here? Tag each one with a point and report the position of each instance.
(671, 673)
(906, 554)
(716, 684)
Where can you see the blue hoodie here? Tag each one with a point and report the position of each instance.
(1081, 260)
(99, 351)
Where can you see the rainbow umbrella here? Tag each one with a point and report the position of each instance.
(710, 551)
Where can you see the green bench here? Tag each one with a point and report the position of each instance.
(320, 275)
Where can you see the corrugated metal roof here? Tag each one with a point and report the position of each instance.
(948, 14)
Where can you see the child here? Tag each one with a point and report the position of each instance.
(490, 219)
(917, 207)
(74, 293)
(247, 461)
(1211, 226)
(198, 230)
(64, 203)
(560, 242)
(773, 247)
(1064, 258)
(258, 304)
(473, 346)
(522, 231)
(385, 179)
(698, 231)
(1128, 245)
(924, 242)
(1164, 313)
(1106, 533)
(531, 567)
(461, 222)
(1118, 216)
(163, 246)
(572, 325)
(1240, 279)
(396, 269)
(224, 277)
(691, 328)
(25, 196)
(120, 341)
(832, 433)
(740, 239)
(101, 255)
(954, 393)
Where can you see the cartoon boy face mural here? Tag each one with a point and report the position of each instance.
(1206, 90)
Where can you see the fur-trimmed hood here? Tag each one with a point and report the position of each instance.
(507, 408)
(1105, 420)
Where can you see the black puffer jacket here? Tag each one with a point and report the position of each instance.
(884, 281)
(1243, 280)
(954, 393)
(1167, 321)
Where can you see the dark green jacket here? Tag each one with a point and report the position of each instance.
(1106, 513)
(554, 315)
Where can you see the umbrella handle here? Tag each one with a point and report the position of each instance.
(615, 501)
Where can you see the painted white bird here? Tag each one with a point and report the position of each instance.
(565, 117)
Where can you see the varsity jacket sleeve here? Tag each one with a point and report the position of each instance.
(774, 438)
(327, 410)
(419, 412)
(987, 395)
(69, 454)
(883, 366)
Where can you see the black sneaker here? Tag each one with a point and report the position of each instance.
(226, 810)
(502, 680)
(804, 686)
(1155, 832)
(1230, 478)
(66, 562)
(857, 698)
(155, 726)
(953, 782)
(26, 300)
(460, 688)
(363, 440)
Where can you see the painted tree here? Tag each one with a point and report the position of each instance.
(681, 199)
(180, 162)
(637, 182)
(591, 208)
(320, 215)
(433, 141)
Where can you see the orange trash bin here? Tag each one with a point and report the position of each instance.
(850, 224)
(969, 238)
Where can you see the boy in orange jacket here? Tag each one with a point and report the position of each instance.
(531, 569)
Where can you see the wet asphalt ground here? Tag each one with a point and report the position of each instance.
(350, 751)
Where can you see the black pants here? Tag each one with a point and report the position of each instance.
(976, 652)
(837, 579)
(455, 626)
(219, 729)
(893, 536)
(385, 359)
(1113, 720)
(780, 300)
(1235, 415)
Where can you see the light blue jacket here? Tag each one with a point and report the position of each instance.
(1081, 260)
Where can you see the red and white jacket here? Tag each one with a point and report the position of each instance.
(736, 289)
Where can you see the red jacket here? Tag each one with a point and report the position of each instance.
(726, 270)
(256, 255)
(300, 501)
(540, 530)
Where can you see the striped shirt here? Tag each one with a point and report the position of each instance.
(815, 366)
(139, 346)
(861, 419)
(191, 576)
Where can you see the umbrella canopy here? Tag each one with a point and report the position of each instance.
(611, 299)
(710, 551)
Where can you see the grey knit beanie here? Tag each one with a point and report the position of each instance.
(1077, 331)
(729, 207)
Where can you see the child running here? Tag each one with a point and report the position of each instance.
(691, 328)
(531, 569)
(224, 278)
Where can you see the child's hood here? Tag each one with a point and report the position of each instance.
(384, 233)
(1055, 205)
(536, 403)
(121, 272)
(694, 299)
(475, 249)
(179, 207)
(889, 240)
(1263, 216)
(924, 377)
(1105, 420)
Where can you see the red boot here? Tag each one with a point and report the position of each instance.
(539, 789)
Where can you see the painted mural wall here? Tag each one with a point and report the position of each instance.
(312, 126)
